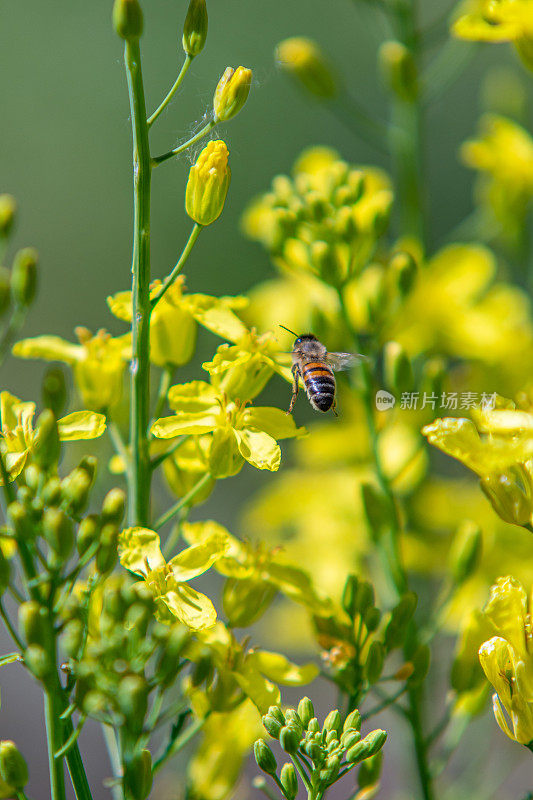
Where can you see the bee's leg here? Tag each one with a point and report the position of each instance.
(334, 408)
(295, 387)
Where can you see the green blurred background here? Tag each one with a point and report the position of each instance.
(66, 156)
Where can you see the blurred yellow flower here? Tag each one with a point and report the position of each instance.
(503, 155)
(498, 21)
(173, 322)
(238, 433)
(507, 658)
(16, 419)
(140, 552)
(98, 362)
(303, 60)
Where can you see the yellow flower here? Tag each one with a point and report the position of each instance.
(498, 21)
(503, 155)
(238, 433)
(187, 465)
(208, 184)
(98, 362)
(230, 95)
(16, 418)
(140, 552)
(507, 658)
(304, 61)
(325, 221)
(173, 322)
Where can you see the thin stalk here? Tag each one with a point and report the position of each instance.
(164, 518)
(360, 122)
(71, 741)
(175, 86)
(76, 770)
(261, 785)
(9, 626)
(140, 477)
(177, 150)
(164, 385)
(383, 705)
(169, 280)
(114, 758)
(156, 462)
(53, 740)
(302, 773)
(118, 443)
(179, 743)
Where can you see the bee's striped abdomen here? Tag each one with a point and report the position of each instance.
(319, 382)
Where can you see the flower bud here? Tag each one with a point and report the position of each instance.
(303, 60)
(465, 553)
(349, 594)
(508, 499)
(333, 722)
(306, 712)
(58, 532)
(289, 739)
(54, 390)
(289, 781)
(313, 726)
(420, 660)
(24, 277)
(404, 269)
(107, 554)
(277, 713)
(404, 672)
(138, 777)
(168, 664)
(349, 738)
(113, 506)
(8, 210)
(5, 289)
(18, 517)
(46, 446)
(32, 625)
(400, 618)
(75, 490)
(195, 28)
(38, 662)
(364, 597)
(88, 532)
(271, 725)
(367, 747)
(128, 19)
(398, 69)
(203, 669)
(330, 770)
(5, 570)
(72, 637)
(51, 493)
(13, 769)
(208, 184)
(132, 700)
(374, 662)
(231, 93)
(265, 757)
(397, 369)
(372, 618)
(353, 720)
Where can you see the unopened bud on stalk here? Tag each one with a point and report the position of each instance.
(289, 781)
(24, 277)
(38, 662)
(306, 712)
(303, 60)
(8, 210)
(107, 554)
(46, 446)
(88, 531)
(353, 720)
(113, 506)
(333, 722)
(508, 498)
(289, 739)
(128, 19)
(349, 595)
(369, 746)
(13, 769)
(195, 28)
(398, 69)
(405, 269)
(466, 552)
(132, 699)
(397, 369)
(208, 184)
(58, 532)
(404, 672)
(54, 390)
(5, 571)
(32, 623)
(265, 757)
(374, 662)
(138, 775)
(231, 93)
(272, 726)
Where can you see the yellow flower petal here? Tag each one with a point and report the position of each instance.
(215, 314)
(507, 610)
(192, 608)
(139, 550)
(279, 669)
(170, 427)
(273, 421)
(49, 348)
(193, 397)
(81, 425)
(259, 449)
(198, 558)
(262, 692)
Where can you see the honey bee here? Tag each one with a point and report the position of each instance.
(315, 366)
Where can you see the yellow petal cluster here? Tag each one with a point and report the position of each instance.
(208, 184)
(498, 21)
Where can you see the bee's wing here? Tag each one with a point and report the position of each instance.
(339, 361)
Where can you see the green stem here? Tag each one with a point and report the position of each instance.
(114, 758)
(169, 280)
(179, 743)
(156, 462)
(360, 122)
(175, 86)
(164, 385)
(405, 139)
(140, 477)
(76, 770)
(177, 150)
(164, 518)
(53, 739)
(9, 626)
(384, 704)
(71, 741)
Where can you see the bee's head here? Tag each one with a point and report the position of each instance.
(305, 338)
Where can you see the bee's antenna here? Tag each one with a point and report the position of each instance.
(288, 330)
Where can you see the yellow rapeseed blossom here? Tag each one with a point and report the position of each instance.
(173, 323)
(140, 552)
(231, 94)
(503, 155)
(498, 21)
(507, 658)
(208, 184)
(97, 362)
(238, 432)
(18, 434)
(303, 60)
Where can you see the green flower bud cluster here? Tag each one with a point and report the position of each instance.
(18, 285)
(325, 222)
(327, 750)
(126, 655)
